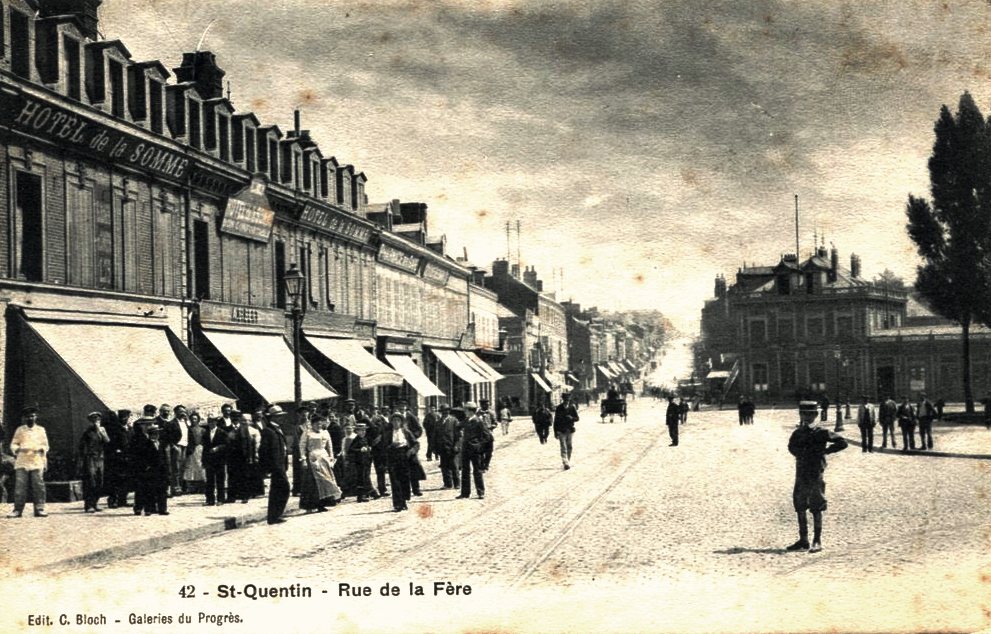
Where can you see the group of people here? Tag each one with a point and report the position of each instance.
(907, 416)
(745, 409)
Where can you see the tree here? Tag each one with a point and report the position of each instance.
(952, 232)
(889, 280)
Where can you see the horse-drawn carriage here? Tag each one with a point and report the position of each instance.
(612, 407)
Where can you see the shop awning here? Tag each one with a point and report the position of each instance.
(483, 368)
(459, 366)
(352, 356)
(629, 365)
(571, 377)
(616, 368)
(717, 374)
(606, 372)
(266, 363)
(127, 366)
(541, 383)
(413, 374)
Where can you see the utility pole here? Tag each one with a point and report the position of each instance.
(796, 228)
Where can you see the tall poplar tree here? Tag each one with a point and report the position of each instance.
(953, 231)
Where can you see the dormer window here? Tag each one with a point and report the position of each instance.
(273, 159)
(73, 67)
(223, 129)
(146, 93)
(20, 43)
(195, 125)
(116, 73)
(324, 181)
(155, 99)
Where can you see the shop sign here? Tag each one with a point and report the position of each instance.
(247, 213)
(436, 274)
(398, 258)
(42, 119)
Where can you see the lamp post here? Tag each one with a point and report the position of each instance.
(293, 279)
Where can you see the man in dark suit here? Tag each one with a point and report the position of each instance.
(475, 437)
(92, 447)
(672, 417)
(565, 417)
(215, 462)
(120, 432)
(402, 444)
(380, 450)
(272, 455)
(152, 466)
(447, 442)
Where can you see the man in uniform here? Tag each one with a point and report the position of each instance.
(91, 460)
(272, 456)
(672, 417)
(30, 448)
(809, 444)
(565, 417)
(476, 436)
(866, 421)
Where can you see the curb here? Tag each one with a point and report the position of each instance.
(152, 544)
(927, 452)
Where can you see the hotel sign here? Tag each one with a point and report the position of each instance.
(327, 219)
(436, 274)
(247, 213)
(39, 118)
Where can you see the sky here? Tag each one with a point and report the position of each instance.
(643, 146)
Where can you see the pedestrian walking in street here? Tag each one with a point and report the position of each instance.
(671, 417)
(401, 443)
(416, 471)
(152, 459)
(866, 421)
(824, 404)
(505, 418)
(273, 457)
(448, 444)
(683, 410)
(118, 479)
(476, 435)
(318, 487)
(888, 414)
(565, 417)
(29, 445)
(215, 461)
(809, 444)
(92, 446)
(925, 414)
(741, 409)
(300, 425)
(542, 420)
(906, 422)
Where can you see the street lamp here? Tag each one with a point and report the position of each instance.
(293, 279)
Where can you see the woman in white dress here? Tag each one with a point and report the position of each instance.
(318, 487)
(193, 472)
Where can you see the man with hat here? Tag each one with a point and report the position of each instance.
(30, 448)
(91, 454)
(272, 456)
(430, 422)
(360, 456)
(565, 417)
(673, 416)
(215, 440)
(151, 460)
(809, 444)
(488, 417)
(866, 421)
(542, 420)
(175, 434)
(148, 416)
(120, 432)
(475, 437)
(377, 426)
(447, 442)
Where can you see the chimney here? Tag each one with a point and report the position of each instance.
(854, 265)
(516, 271)
(296, 122)
(500, 268)
(201, 69)
(834, 263)
(85, 12)
(530, 277)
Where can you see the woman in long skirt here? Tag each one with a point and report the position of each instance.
(193, 473)
(318, 488)
(349, 477)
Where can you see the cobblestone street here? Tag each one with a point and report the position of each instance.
(678, 538)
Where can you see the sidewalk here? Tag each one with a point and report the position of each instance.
(69, 538)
